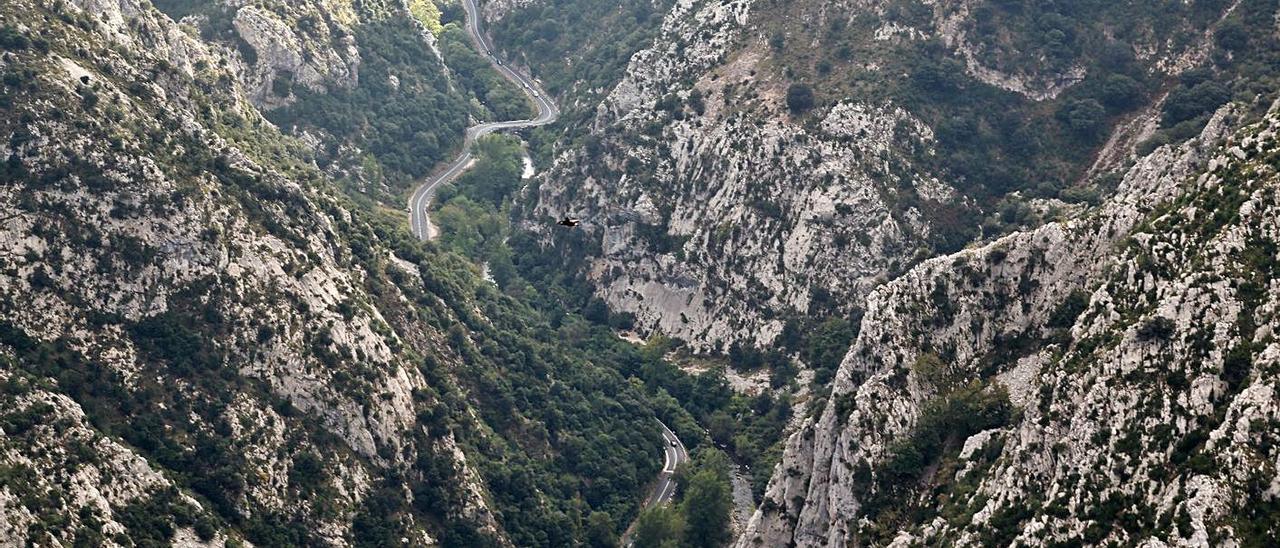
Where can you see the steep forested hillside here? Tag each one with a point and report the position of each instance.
(905, 272)
(204, 340)
(381, 93)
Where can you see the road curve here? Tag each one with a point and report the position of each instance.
(547, 113)
(674, 454)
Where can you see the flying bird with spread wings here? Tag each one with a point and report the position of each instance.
(570, 222)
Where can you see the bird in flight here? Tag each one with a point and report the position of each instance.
(569, 222)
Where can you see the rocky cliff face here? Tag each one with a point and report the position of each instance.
(984, 37)
(721, 209)
(717, 211)
(273, 46)
(496, 10)
(324, 55)
(187, 304)
(1106, 378)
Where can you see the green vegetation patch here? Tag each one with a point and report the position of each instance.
(426, 12)
(402, 112)
(924, 462)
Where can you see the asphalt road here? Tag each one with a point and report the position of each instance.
(674, 454)
(547, 113)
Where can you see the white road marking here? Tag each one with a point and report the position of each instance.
(419, 223)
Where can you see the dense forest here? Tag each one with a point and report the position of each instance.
(406, 127)
(500, 98)
(699, 517)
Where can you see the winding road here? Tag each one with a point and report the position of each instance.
(674, 454)
(547, 113)
(673, 450)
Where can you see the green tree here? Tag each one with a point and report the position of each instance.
(601, 530)
(1085, 116)
(721, 427)
(13, 39)
(1120, 92)
(1232, 35)
(1190, 101)
(659, 527)
(496, 173)
(707, 502)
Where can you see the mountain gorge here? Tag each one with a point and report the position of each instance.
(206, 341)
(832, 146)
(896, 272)
(767, 165)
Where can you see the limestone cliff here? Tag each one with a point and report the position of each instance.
(184, 308)
(717, 211)
(1134, 344)
(723, 207)
(325, 55)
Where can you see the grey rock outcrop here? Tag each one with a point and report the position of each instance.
(325, 56)
(717, 212)
(1170, 360)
